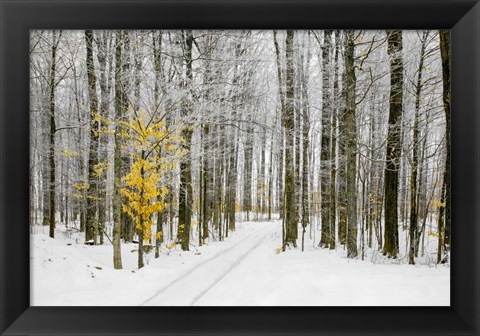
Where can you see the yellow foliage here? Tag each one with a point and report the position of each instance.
(95, 198)
(100, 168)
(158, 235)
(106, 131)
(238, 207)
(144, 190)
(80, 187)
(68, 153)
(95, 118)
(99, 118)
(181, 227)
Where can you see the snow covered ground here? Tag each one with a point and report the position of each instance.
(245, 269)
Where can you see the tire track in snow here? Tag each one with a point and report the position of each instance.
(227, 272)
(214, 257)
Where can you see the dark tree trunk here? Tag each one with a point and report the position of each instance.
(342, 168)
(159, 232)
(270, 178)
(414, 163)
(127, 222)
(207, 183)
(288, 124)
(445, 54)
(247, 172)
(440, 225)
(91, 224)
(157, 61)
(393, 144)
(53, 84)
(325, 158)
(141, 228)
(232, 175)
(298, 133)
(119, 129)
(185, 192)
(305, 145)
(333, 168)
(232, 184)
(46, 171)
(219, 176)
(351, 144)
(103, 138)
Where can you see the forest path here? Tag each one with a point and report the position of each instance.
(196, 283)
(244, 270)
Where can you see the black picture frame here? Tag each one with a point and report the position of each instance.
(19, 16)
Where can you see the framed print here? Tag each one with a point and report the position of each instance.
(228, 167)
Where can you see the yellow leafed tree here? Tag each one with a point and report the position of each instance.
(156, 151)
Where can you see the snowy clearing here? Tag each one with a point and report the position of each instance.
(244, 270)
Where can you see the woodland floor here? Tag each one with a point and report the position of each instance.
(245, 269)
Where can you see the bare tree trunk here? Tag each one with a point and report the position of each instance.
(206, 181)
(414, 164)
(128, 229)
(440, 225)
(351, 129)
(157, 61)
(298, 143)
(247, 172)
(219, 165)
(103, 138)
(445, 54)
(342, 168)
(232, 175)
(141, 228)
(270, 178)
(325, 157)
(333, 168)
(281, 98)
(393, 143)
(46, 171)
(53, 84)
(232, 183)
(119, 129)
(288, 123)
(185, 193)
(91, 224)
(305, 146)
(259, 181)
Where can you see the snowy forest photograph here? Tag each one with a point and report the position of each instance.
(240, 167)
